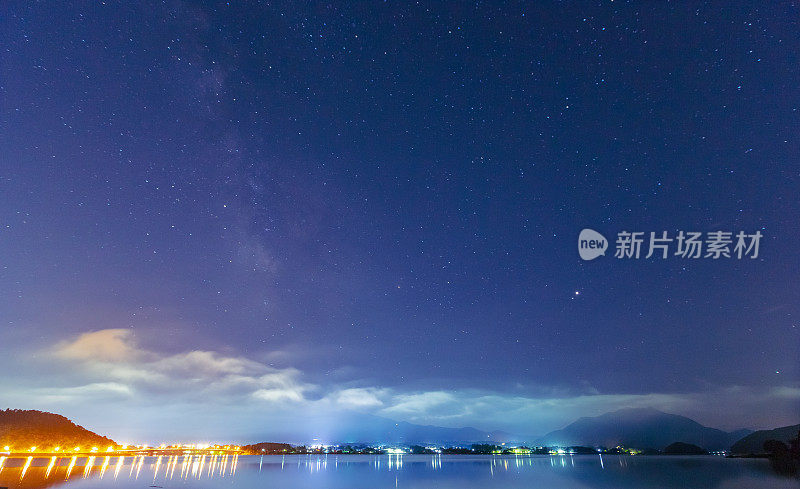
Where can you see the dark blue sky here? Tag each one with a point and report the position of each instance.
(374, 207)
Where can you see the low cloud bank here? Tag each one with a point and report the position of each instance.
(107, 381)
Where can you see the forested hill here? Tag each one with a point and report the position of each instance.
(22, 429)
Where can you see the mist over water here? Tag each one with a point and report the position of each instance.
(410, 471)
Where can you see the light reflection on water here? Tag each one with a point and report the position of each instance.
(412, 471)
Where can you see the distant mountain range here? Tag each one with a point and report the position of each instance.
(640, 428)
(754, 442)
(355, 428)
(22, 429)
(634, 428)
(403, 432)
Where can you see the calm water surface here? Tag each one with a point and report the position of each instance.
(406, 471)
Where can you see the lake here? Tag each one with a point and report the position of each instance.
(386, 471)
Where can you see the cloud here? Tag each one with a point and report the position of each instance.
(107, 371)
(729, 407)
(100, 390)
(112, 357)
(279, 395)
(787, 392)
(206, 364)
(429, 405)
(358, 398)
(103, 345)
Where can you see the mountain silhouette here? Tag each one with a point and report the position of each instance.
(754, 442)
(352, 427)
(21, 429)
(640, 428)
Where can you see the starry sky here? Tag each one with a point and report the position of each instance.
(240, 215)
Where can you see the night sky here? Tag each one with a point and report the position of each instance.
(223, 219)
